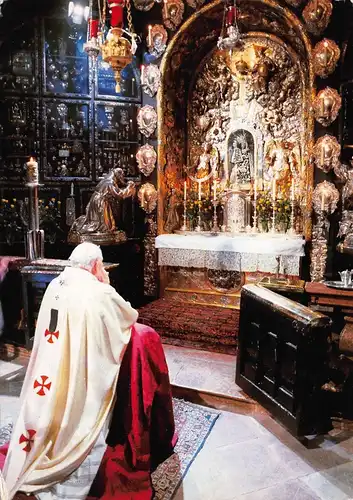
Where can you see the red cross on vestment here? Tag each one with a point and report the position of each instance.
(44, 385)
(51, 336)
(28, 440)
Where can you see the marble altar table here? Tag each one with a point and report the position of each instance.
(209, 268)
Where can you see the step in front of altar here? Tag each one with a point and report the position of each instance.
(192, 325)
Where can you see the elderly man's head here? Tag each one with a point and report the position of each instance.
(89, 257)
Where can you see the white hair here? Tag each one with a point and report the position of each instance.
(85, 255)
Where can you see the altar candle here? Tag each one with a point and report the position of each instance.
(32, 171)
(142, 74)
(274, 189)
(255, 188)
(199, 191)
(150, 36)
(184, 190)
(322, 155)
(292, 193)
(322, 202)
(214, 191)
(166, 9)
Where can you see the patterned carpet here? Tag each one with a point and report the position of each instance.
(193, 424)
(191, 325)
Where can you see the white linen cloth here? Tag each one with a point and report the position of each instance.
(256, 244)
(70, 382)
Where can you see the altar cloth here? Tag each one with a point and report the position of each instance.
(246, 253)
(256, 243)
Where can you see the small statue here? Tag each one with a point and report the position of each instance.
(208, 163)
(173, 220)
(241, 161)
(99, 223)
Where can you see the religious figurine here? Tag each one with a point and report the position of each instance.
(241, 159)
(99, 224)
(173, 219)
(282, 160)
(207, 166)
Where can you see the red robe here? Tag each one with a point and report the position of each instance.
(142, 431)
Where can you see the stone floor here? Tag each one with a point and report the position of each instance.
(246, 456)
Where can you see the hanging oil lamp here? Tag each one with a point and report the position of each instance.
(91, 47)
(232, 36)
(117, 50)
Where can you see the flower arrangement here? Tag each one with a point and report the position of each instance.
(50, 218)
(10, 220)
(49, 212)
(192, 210)
(283, 210)
(264, 207)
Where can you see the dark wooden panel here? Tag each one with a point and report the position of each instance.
(283, 358)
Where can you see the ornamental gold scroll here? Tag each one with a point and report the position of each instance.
(325, 198)
(326, 106)
(157, 40)
(146, 158)
(326, 54)
(316, 15)
(327, 153)
(147, 120)
(147, 197)
(173, 11)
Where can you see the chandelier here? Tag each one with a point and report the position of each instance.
(230, 36)
(116, 44)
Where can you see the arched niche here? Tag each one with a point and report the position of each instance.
(264, 22)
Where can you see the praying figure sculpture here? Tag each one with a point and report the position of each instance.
(103, 211)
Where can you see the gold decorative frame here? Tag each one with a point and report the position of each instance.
(170, 153)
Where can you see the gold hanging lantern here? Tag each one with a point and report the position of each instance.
(117, 51)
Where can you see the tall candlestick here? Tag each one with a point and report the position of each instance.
(184, 190)
(322, 155)
(273, 230)
(150, 36)
(254, 224)
(184, 227)
(274, 189)
(199, 191)
(291, 229)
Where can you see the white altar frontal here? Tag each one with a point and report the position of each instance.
(212, 268)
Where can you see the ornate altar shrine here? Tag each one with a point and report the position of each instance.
(234, 140)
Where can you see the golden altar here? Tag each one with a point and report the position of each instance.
(211, 269)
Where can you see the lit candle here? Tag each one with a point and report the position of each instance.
(274, 189)
(214, 191)
(322, 155)
(142, 74)
(322, 106)
(150, 36)
(166, 8)
(322, 202)
(32, 171)
(184, 190)
(255, 188)
(199, 191)
(292, 193)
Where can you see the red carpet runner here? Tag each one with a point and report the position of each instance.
(190, 325)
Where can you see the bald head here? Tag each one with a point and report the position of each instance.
(86, 256)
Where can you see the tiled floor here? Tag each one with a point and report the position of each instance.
(204, 371)
(246, 457)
